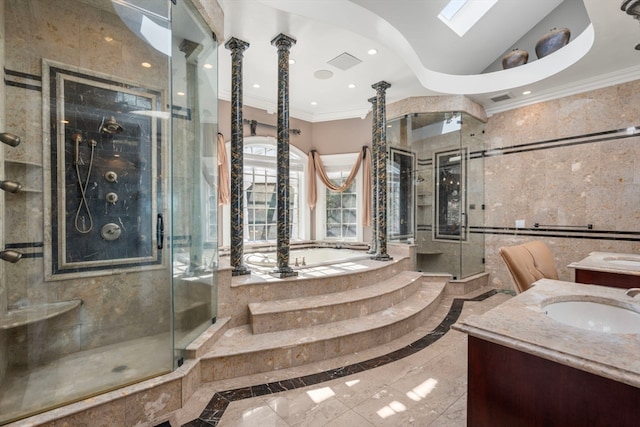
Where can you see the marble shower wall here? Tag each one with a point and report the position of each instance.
(572, 161)
(116, 306)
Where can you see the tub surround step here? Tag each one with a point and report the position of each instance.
(293, 313)
(239, 352)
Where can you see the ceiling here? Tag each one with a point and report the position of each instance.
(420, 56)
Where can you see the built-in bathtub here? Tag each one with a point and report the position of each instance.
(306, 257)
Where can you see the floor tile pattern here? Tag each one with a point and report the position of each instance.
(220, 401)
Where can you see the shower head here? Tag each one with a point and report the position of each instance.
(110, 126)
(11, 256)
(10, 139)
(10, 186)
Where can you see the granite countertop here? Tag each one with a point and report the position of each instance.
(610, 262)
(521, 324)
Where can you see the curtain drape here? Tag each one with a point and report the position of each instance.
(317, 168)
(224, 192)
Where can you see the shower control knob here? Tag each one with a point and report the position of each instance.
(111, 198)
(110, 231)
(111, 176)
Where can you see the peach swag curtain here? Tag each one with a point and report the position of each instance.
(224, 191)
(316, 167)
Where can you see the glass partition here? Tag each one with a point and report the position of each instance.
(114, 102)
(447, 189)
(194, 176)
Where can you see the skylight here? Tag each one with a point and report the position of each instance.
(461, 15)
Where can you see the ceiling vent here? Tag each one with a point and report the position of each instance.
(502, 97)
(344, 61)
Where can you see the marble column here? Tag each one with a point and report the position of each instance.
(284, 44)
(374, 170)
(237, 47)
(381, 169)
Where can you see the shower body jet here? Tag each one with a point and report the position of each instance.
(11, 256)
(10, 186)
(10, 139)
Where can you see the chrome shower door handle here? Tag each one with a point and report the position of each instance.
(160, 231)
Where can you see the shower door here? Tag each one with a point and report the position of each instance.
(105, 221)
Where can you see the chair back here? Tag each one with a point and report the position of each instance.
(528, 263)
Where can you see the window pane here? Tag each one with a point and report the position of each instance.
(261, 193)
(341, 208)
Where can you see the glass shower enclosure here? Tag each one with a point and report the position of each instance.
(436, 190)
(109, 247)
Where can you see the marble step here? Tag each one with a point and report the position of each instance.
(293, 313)
(239, 352)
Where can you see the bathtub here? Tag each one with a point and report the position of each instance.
(306, 257)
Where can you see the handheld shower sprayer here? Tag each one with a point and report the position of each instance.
(83, 224)
(77, 139)
(11, 256)
(10, 139)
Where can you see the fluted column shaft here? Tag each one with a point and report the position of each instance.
(284, 44)
(237, 47)
(381, 132)
(374, 169)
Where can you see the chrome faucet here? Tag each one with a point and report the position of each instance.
(633, 292)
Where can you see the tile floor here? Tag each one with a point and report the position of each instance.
(417, 380)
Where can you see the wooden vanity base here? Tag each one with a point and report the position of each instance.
(512, 388)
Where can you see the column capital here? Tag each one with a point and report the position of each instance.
(373, 100)
(283, 41)
(381, 86)
(236, 45)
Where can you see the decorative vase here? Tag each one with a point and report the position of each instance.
(552, 41)
(515, 58)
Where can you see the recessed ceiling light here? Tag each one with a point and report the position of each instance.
(526, 92)
(146, 65)
(292, 61)
(323, 74)
(108, 39)
(180, 93)
(372, 51)
(256, 85)
(314, 103)
(208, 66)
(351, 86)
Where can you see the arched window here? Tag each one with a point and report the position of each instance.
(259, 185)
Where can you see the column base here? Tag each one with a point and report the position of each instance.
(382, 257)
(240, 271)
(283, 272)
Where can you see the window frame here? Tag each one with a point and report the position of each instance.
(256, 160)
(334, 163)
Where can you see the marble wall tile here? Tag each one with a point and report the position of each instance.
(588, 183)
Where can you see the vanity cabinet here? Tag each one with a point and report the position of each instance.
(606, 278)
(608, 269)
(527, 369)
(508, 387)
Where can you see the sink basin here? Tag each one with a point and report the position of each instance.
(625, 261)
(595, 316)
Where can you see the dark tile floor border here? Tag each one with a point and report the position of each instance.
(216, 407)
